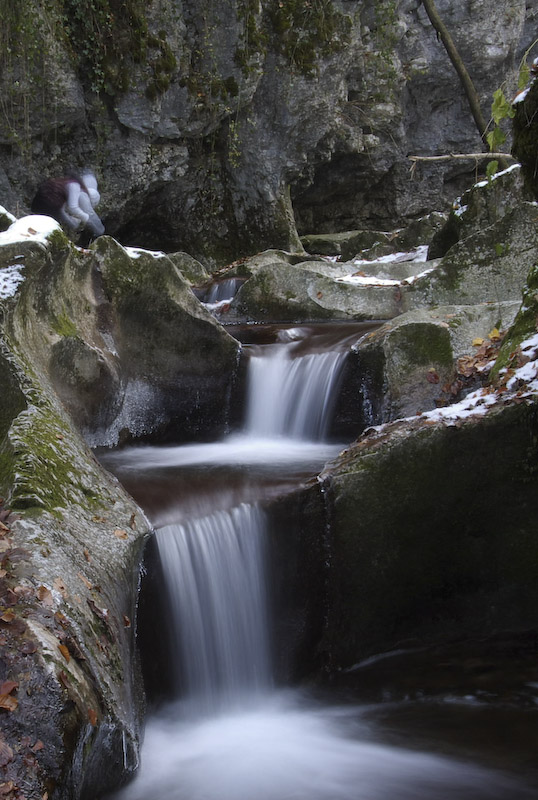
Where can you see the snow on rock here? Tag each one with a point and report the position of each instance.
(35, 227)
(10, 279)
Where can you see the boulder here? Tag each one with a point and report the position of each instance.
(80, 330)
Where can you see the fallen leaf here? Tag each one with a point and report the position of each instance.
(102, 613)
(3, 527)
(65, 652)
(45, 596)
(6, 753)
(74, 648)
(87, 555)
(96, 518)
(432, 376)
(85, 581)
(319, 295)
(92, 716)
(64, 680)
(494, 335)
(60, 586)
(8, 686)
(132, 521)
(126, 621)
(28, 647)
(6, 788)
(8, 616)
(8, 702)
(121, 534)
(38, 746)
(478, 342)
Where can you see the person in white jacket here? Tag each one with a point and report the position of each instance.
(71, 201)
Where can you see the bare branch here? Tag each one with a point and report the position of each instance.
(464, 157)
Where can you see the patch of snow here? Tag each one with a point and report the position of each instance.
(420, 253)
(511, 168)
(364, 280)
(461, 210)
(422, 274)
(10, 279)
(35, 227)
(525, 374)
(136, 252)
(520, 96)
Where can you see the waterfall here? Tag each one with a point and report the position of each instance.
(214, 574)
(290, 396)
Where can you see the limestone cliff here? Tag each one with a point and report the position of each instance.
(211, 124)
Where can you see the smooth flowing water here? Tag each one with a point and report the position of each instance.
(229, 734)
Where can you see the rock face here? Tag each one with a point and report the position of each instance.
(210, 129)
(80, 329)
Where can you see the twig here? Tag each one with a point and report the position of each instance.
(463, 157)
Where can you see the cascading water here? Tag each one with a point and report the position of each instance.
(214, 571)
(292, 396)
(229, 734)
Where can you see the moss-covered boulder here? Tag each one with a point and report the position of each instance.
(416, 355)
(481, 206)
(70, 548)
(490, 266)
(282, 292)
(97, 340)
(432, 533)
(127, 346)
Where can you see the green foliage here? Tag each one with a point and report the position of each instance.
(307, 30)
(108, 37)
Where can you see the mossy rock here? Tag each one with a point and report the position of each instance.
(525, 143)
(489, 266)
(432, 534)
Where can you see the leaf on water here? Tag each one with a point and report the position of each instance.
(132, 521)
(45, 596)
(92, 716)
(65, 652)
(120, 533)
(87, 555)
(126, 621)
(96, 518)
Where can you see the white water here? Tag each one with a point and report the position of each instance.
(231, 736)
(214, 570)
(292, 396)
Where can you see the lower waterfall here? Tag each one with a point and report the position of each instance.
(230, 733)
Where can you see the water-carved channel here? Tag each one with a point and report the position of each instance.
(228, 729)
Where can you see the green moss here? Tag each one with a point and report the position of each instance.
(524, 326)
(307, 30)
(64, 326)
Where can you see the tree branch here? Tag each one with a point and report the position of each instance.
(459, 66)
(463, 157)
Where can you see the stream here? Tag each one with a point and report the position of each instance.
(228, 731)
